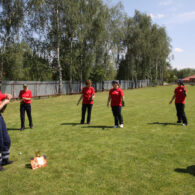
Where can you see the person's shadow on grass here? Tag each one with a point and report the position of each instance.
(99, 127)
(73, 124)
(13, 129)
(189, 169)
(164, 124)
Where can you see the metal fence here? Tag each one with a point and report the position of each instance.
(49, 88)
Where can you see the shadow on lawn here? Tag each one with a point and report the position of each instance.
(28, 166)
(157, 123)
(99, 127)
(13, 129)
(190, 170)
(73, 124)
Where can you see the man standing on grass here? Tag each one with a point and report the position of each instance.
(25, 105)
(180, 97)
(5, 141)
(116, 96)
(88, 95)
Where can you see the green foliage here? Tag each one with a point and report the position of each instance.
(79, 39)
(148, 49)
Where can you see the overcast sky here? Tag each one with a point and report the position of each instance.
(178, 17)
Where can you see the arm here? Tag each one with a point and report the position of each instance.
(172, 99)
(123, 100)
(5, 102)
(81, 97)
(108, 102)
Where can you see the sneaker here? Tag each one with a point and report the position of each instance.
(6, 162)
(1, 168)
(121, 126)
(22, 128)
(115, 126)
(31, 127)
(184, 124)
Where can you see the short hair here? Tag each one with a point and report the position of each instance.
(88, 82)
(115, 82)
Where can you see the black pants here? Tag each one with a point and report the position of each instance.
(25, 107)
(5, 141)
(118, 118)
(87, 107)
(180, 113)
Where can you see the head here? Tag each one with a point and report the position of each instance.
(115, 84)
(180, 82)
(88, 83)
(25, 87)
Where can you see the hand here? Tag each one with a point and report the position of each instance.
(170, 102)
(6, 101)
(9, 96)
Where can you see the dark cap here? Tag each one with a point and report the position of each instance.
(180, 81)
(114, 82)
(25, 85)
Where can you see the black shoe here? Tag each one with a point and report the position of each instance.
(82, 123)
(178, 121)
(7, 162)
(1, 168)
(22, 128)
(31, 127)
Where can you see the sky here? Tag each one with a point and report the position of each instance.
(178, 18)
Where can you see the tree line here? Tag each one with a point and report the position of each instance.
(79, 39)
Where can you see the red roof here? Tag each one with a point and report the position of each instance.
(189, 78)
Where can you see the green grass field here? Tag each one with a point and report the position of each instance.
(150, 155)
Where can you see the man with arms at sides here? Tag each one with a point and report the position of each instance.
(25, 105)
(116, 97)
(88, 95)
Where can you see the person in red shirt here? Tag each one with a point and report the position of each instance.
(88, 95)
(25, 105)
(180, 98)
(5, 141)
(116, 97)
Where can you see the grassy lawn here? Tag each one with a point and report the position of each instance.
(150, 155)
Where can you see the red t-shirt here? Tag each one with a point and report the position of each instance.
(116, 96)
(26, 94)
(179, 95)
(87, 93)
(2, 96)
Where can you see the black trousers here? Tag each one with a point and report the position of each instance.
(180, 113)
(87, 107)
(25, 107)
(118, 118)
(5, 141)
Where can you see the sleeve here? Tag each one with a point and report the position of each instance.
(122, 94)
(82, 91)
(20, 94)
(110, 92)
(30, 94)
(2, 96)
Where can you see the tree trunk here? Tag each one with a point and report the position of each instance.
(58, 46)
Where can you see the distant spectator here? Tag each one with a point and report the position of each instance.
(25, 105)
(88, 95)
(116, 97)
(180, 94)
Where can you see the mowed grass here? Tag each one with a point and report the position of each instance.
(150, 155)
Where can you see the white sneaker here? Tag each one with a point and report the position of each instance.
(115, 126)
(184, 124)
(121, 126)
